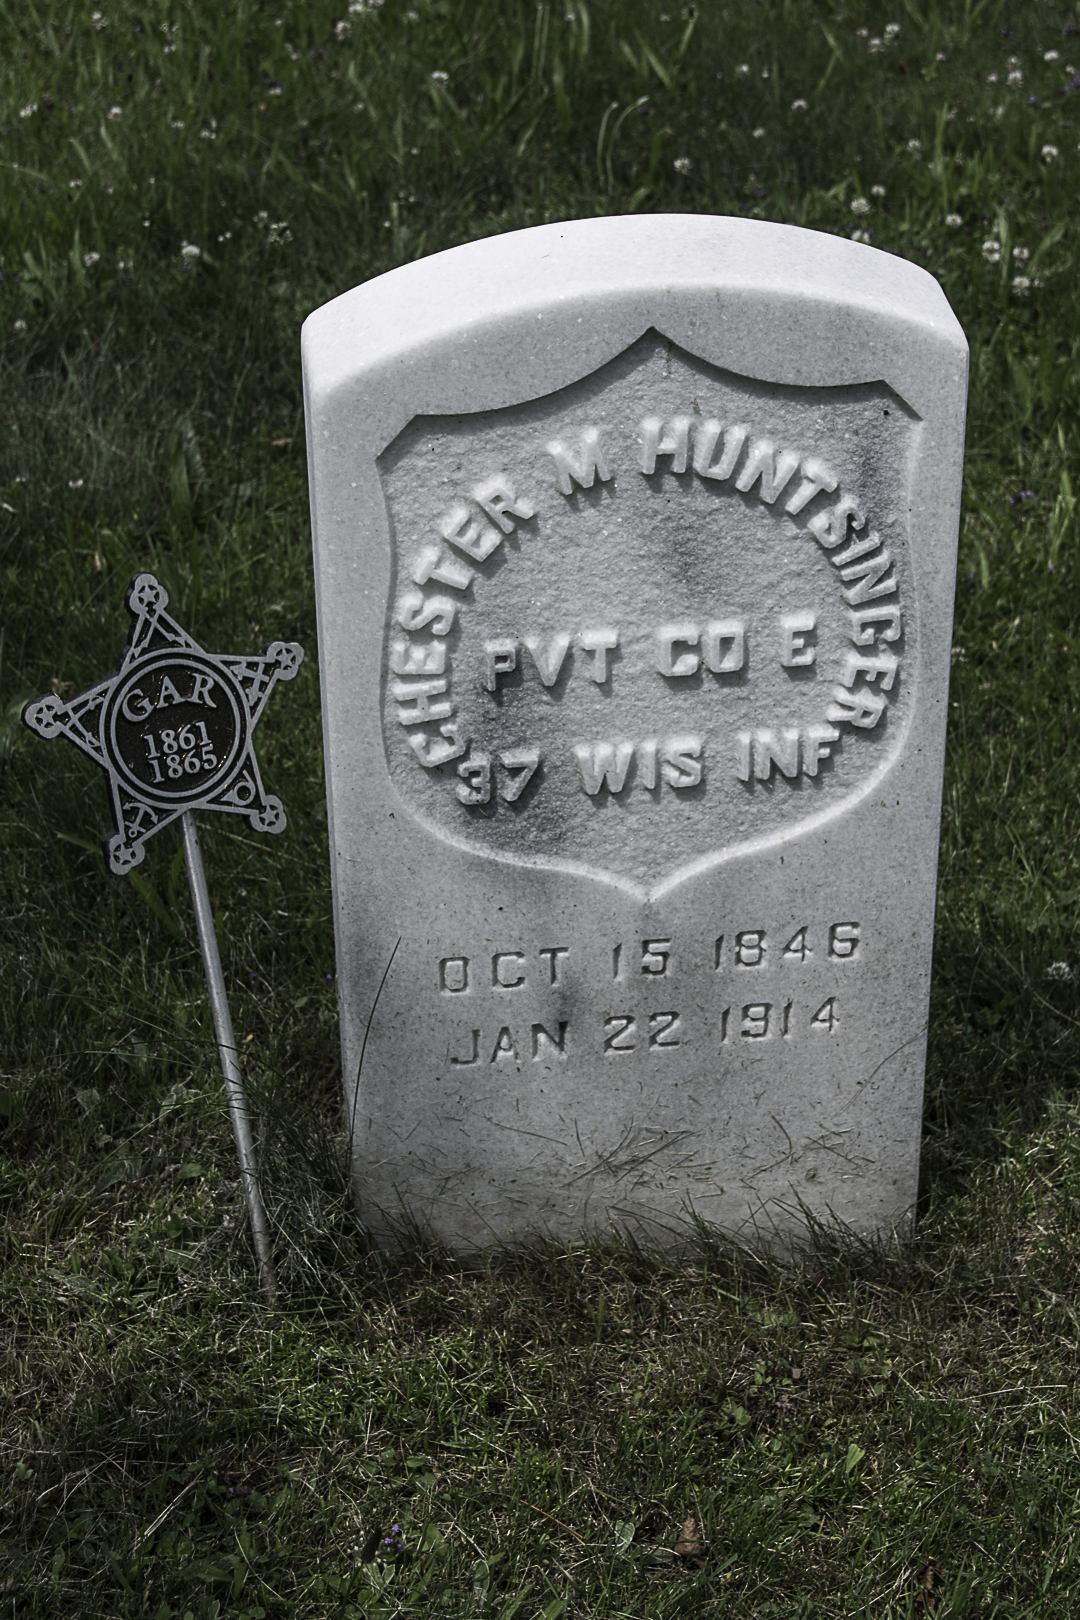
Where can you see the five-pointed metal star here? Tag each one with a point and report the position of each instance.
(172, 727)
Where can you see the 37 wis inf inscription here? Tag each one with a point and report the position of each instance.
(651, 621)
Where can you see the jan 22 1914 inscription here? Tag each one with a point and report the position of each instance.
(635, 546)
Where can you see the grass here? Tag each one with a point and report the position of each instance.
(886, 1431)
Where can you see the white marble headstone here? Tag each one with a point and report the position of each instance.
(635, 545)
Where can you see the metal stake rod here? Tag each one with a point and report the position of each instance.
(226, 1040)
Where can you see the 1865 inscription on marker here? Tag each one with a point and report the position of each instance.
(635, 545)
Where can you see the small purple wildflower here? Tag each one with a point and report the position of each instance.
(393, 1542)
(1023, 495)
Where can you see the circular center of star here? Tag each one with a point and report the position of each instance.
(175, 727)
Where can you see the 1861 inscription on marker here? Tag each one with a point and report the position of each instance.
(635, 545)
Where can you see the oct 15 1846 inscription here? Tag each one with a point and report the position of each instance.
(635, 545)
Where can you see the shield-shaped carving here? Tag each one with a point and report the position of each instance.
(648, 622)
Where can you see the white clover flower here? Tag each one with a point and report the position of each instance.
(743, 69)
(953, 221)
(1061, 971)
(225, 236)
(439, 76)
(261, 218)
(1016, 78)
(991, 78)
(20, 327)
(168, 49)
(190, 253)
(991, 251)
(1021, 285)
(1051, 56)
(177, 123)
(861, 33)
(914, 145)
(208, 134)
(75, 483)
(877, 191)
(125, 264)
(875, 46)
(798, 105)
(115, 113)
(97, 20)
(759, 132)
(74, 184)
(682, 165)
(342, 29)
(860, 236)
(999, 112)
(891, 31)
(278, 233)
(90, 258)
(1021, 254)
(860, 205)
(29, 110)
(1049, 153)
